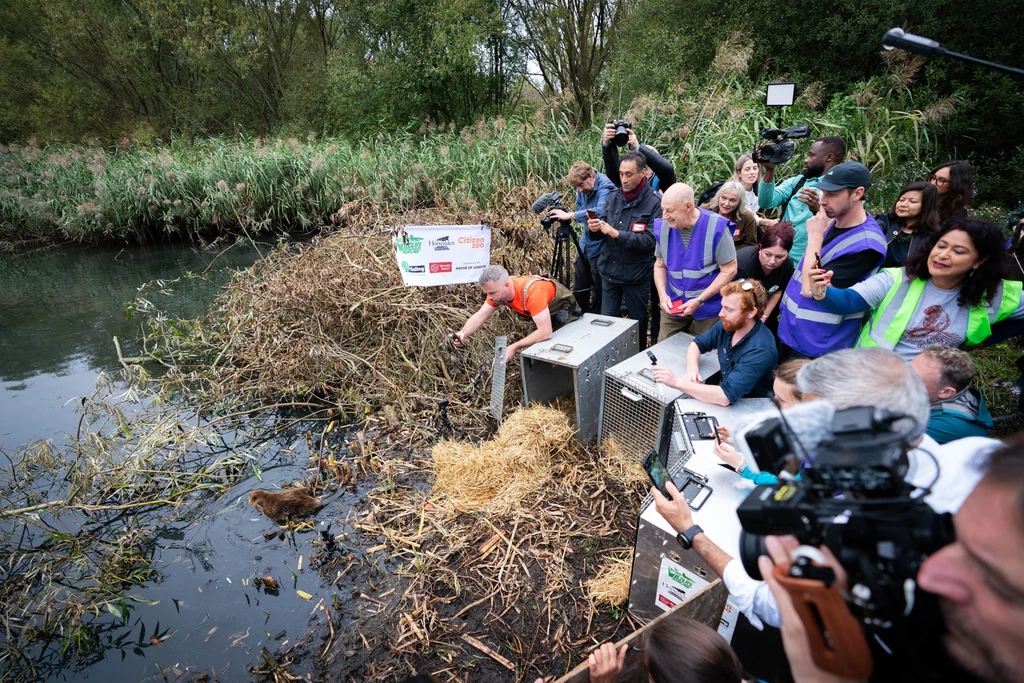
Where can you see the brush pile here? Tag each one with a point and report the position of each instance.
(331, 323)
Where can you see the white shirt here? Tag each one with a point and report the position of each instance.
(961, 464)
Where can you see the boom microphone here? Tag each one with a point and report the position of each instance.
(898, 38)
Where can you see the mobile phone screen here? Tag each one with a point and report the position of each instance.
(658, 474)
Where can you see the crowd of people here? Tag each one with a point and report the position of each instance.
(821, 302)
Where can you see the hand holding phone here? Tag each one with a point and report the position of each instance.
(591, 213)
(817, 260)
(658, 474)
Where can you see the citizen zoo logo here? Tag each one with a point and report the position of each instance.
(441, 243)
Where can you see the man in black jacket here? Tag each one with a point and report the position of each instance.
(626, 227)
(664, 176)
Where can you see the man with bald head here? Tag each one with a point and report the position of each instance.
(694, 258)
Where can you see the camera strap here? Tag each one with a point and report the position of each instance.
(796, 190)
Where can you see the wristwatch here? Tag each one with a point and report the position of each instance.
(686, 538)
(700, 301)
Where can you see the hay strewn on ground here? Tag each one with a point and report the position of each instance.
(497, 475)
(332, 322)
(523, 583)
(611, 584)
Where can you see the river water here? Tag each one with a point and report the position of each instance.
(59, 312)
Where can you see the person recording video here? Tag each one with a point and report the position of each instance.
(592, 190)
(796, 195)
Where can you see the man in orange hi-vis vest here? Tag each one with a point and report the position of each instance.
(530, 296)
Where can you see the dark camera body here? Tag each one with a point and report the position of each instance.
(621, 138)
(547, 202)
(776, 145)
(852, 497)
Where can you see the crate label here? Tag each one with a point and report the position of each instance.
(676, 584)
(727, 625)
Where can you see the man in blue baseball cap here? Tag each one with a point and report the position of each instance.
(842, 238)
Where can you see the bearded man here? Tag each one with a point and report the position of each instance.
(746, 350)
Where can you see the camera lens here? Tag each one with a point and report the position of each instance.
(621, 135)
(751, 548)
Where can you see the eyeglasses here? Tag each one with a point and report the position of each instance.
(938, 181)
(745, 284)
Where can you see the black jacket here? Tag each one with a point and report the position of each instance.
(661, 166)
(630, 258)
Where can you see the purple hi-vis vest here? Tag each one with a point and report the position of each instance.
(693, 268)
(804, 325)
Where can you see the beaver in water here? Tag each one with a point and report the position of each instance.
(281, 505)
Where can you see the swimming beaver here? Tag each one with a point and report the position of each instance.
(280, 505)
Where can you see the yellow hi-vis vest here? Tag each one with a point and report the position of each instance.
(889, 321)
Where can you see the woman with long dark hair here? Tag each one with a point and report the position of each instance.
(913, 214)
(768, 263)
(954, 181)
(951, 291)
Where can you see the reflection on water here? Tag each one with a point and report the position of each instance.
(60, 310)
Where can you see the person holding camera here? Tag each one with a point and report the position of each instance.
(592, 190)
(619, 134)
(695, 258)
(797, 195)
(844, 238)
(626, 230)
(544, 301)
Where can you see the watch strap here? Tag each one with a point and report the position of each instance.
(686, 538)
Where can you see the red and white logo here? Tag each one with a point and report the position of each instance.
(442, 267)
(639, 227)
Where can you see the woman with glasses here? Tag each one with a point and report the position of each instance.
(954, 181)
(912, 216)
(768, 263)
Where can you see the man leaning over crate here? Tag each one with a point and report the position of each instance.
(546, 301)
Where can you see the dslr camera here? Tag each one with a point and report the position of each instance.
(621, 138)
(776, 145)
(852, 496)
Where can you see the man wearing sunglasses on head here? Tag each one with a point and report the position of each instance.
(746, 350)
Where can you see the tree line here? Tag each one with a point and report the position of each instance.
(144, 69)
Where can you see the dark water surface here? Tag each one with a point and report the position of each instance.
(59, 312)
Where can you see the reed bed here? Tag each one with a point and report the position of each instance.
(247, 186)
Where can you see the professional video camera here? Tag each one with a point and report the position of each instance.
(776, 145)
(621, 138)
(852, 497)
(561, 258)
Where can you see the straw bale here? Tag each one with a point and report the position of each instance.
(610, 586)
(498, 475)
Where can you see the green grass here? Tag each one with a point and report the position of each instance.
(84, 193)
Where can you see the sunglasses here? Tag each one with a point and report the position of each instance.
(745, 284)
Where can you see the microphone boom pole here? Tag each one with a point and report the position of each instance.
(898, 38)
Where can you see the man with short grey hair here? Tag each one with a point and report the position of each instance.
(883, 379)
(544, 301)
(958, 409)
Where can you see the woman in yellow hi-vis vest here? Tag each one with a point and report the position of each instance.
(950, 292)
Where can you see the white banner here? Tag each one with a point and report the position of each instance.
(431, 255)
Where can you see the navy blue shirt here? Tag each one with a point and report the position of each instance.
(748, 369)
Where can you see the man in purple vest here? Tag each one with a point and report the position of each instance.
(851, 246)
(695, 258)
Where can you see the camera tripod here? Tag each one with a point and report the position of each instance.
(561, 254)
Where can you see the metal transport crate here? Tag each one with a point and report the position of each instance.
(635, 406)
(571, 362)
(663, 573)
